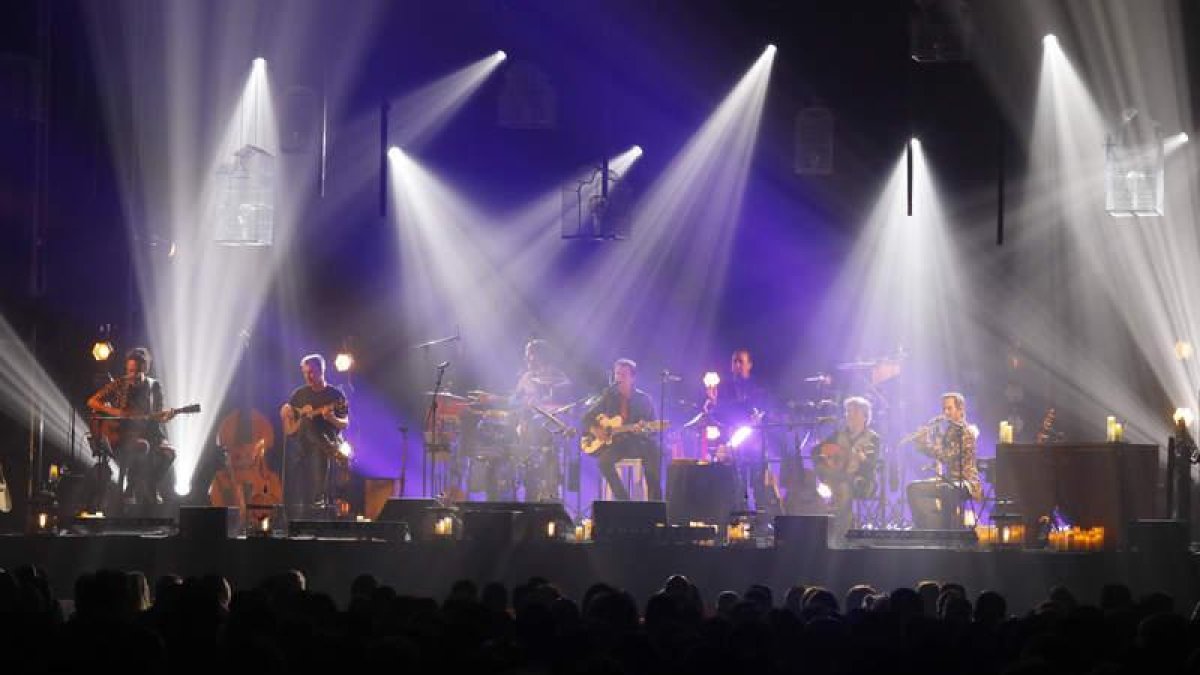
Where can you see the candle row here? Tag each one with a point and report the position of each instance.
(1077, 539)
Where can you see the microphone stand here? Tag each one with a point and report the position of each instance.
(403, 459)
(432, 440)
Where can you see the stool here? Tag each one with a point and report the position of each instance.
(632, 475)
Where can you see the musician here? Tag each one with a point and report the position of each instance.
(142, 448)
(540, 385)
(847, 459)
(541, 381)
(315, 416)
(950, 440)
(739, 401)
(633, 405)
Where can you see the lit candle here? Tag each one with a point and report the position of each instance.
(42, 519)
(1110, 433)
(265, 524)
(550, 529)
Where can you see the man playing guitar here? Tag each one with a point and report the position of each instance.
(633, 406)
(845, 461)
(135, 403)
(315, 416)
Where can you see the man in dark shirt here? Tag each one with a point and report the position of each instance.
(633, 405)
(142, 448)
(315, 416)
(737, 402)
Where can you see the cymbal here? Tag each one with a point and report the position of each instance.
(550, 381)
(481, 394)
(445, 395)
(857, 365)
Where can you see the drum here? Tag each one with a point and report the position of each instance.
(494, 435)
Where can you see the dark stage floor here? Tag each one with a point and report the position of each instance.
(429, 568)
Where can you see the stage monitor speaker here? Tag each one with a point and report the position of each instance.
(417, 513)
(530, 519)
(207, 523)
(494, 527)
(349, 529)
(616, 521)
(802, 531)
(700, 492)
(1153, 536)
(376, 493)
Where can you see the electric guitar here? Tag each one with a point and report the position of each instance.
(600, 434)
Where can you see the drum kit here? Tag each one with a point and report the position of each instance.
(505, 449)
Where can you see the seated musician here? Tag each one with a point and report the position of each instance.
(846, 460)
(540, 385)
(623, 399)
(936, 502)
(315, 416)
(142, 448)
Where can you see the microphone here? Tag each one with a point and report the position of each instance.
(668, 376)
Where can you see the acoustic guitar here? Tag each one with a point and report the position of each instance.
(110, 426)
(600, 435)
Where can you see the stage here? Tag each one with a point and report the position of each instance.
(429, 568)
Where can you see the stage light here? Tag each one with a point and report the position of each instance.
(1185, 415)
(343, 361)
(346, 450)
(395, 152)
(500, 55)
(916, 142)
(1050, 42)
(260, 63)
(102, 350)
(770, 49)
(1174, 142)
(824, 491)
(712, 432)
(637, 149)
(711, 379)
(740, 436)
(1184, 350)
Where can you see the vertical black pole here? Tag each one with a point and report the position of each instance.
(384, 109)
(1000, 166)
(909, 161)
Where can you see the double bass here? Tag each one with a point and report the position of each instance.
(246, 482)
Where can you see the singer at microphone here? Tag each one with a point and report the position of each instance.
(937, 503)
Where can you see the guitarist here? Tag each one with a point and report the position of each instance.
(141, 446)
(315, 416)
(633, 405)
(846, 460)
